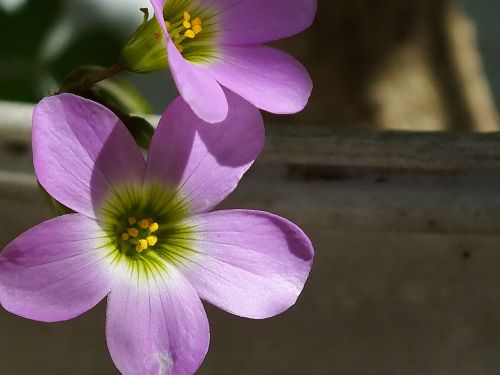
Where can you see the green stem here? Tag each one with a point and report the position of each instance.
(92, 80)
(107, 73)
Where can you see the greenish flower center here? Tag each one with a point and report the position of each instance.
(193, 29)
(147, 224)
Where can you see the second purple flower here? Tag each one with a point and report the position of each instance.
(213, 43)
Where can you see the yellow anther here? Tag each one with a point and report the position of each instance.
(152, 240)
(133, 232)
(187, 16)
(144, 223)
(141, 246)
(190, 34)
(125, 236)
(186, 24)
(153, 227)
(196, 21)
(132, 220)
(167, 24)
(179, 47)
(197, 29)
(150, 221)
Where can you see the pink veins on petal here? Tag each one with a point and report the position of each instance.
(143, 235)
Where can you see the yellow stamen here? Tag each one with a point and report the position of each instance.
(196, 21)
(140, 234)
(144, 223)
(133, 232)
(153, 227)
(141, 246)
(183, 28)
(197, 29)
(152, 240)
(190, 34)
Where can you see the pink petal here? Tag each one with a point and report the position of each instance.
(80, 150)
(198, 88)
(56, 270)
(261, 21)
(249, 263)
(268, 78)
(205, 162)
(156, 324)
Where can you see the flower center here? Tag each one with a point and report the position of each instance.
(182, 28)
(147, 224)
(140, 234)
(193, 27)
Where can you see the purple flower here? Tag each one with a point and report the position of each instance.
(219, 42)
(143, 236)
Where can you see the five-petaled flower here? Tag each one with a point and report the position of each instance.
(142, 234)
(210, 43)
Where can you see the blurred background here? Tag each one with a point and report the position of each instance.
(406, 298)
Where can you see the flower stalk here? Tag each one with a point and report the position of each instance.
(83, 79)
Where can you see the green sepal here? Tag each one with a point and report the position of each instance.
(145, 50)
